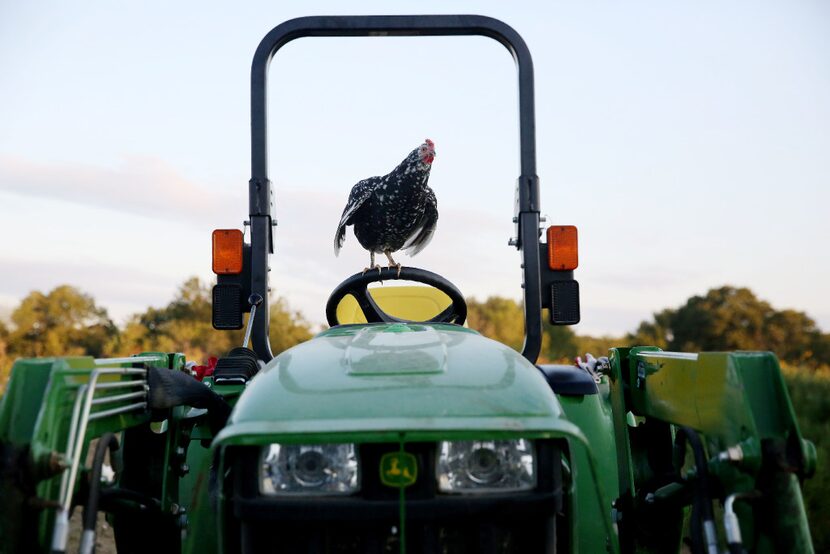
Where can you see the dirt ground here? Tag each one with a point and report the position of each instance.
(104, 538)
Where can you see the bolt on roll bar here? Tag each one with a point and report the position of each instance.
(260, 193)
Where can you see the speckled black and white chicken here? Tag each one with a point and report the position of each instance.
(393, 212)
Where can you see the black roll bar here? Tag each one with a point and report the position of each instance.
(260, 194)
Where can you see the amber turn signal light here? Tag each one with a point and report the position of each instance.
(227, 251)
(562, 248)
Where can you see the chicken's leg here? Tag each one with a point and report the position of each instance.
(372, 264)
(392, 262)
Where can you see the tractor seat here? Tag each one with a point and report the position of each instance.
(412, 303)
(568, 380)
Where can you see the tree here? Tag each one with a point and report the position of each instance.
(598, 346)
(794, 337)
(654, 333)
(64, 322)
(184, 325)
(821, 348)
(5, 361)
(730, 318)
(287, 327)
(727, 318)
(502, 319)
(497, 318)
(560, 343)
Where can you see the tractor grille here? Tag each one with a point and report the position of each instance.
(484, 537)
(369, 522)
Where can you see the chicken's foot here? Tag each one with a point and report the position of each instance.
(372, 264)
(392, 263)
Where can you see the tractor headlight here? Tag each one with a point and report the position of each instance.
(486, 466)
(309, 469)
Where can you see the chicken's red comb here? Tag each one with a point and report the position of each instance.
(429, 143)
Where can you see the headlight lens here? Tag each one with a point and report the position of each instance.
(486, 466)
(309, 469)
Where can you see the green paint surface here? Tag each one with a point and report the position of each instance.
(396, 377)
(592, 414)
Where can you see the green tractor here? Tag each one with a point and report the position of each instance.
(404, 432)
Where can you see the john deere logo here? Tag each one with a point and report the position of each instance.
(398, 469)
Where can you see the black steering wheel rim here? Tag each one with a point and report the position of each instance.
(358, 287)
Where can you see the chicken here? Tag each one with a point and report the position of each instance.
(393, 212)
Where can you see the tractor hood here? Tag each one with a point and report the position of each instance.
(395, 377)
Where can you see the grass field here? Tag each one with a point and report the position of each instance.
(810, 395)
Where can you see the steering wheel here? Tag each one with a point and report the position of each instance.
(358, 286)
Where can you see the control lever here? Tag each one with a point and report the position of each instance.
(254, 300)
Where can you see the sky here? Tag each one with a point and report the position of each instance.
(688, 141)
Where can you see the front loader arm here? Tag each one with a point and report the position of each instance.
(733, 412)
(52, 411)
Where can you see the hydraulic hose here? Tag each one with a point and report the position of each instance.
(107, 441)
(732, 525)
(703, 518)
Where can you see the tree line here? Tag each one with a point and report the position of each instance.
(67, 322)
(725, 318)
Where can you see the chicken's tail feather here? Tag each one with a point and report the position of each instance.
(339, 238)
